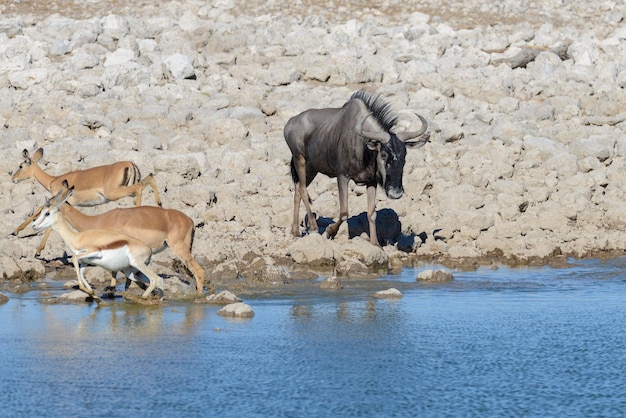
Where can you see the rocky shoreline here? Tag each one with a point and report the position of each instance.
(525, 165)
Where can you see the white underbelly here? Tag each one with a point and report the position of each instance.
(114, 259)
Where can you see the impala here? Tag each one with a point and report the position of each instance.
(156, 227)
(111, 250)
(93, 186)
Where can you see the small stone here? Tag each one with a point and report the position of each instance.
(435, 276)
(391, 293)
(331, 283)
(236, 310)
(75, 296)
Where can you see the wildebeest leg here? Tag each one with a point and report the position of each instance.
(371, 213)
(342, 185)
(302, 194)
(295, 229)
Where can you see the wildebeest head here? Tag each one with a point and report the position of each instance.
(390, 148)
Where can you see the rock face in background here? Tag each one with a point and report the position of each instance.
(523, 163)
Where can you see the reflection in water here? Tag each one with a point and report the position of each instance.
(120, 320)
(521, 342)
(343, 311)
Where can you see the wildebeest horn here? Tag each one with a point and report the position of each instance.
(380, 136)
(405, 136)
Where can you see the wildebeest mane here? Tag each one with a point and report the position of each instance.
(381, 110)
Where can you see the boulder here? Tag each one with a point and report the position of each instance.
(312, 249)
(236, 310)
(435, 276)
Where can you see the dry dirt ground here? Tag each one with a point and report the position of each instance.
(458, 13)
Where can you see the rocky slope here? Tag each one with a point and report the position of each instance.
(524, 163)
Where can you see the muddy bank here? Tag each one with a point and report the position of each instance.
(525, 163)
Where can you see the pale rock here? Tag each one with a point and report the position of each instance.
(331, 283)
(77, 296)
(227, 131)
(25, 269)
(115, 26)
(281, 73)
(28, 78)
(125, 75)
(222, 298)
(600, 147)
(179, 66)
(391, 293)
(435, 276)
(362, 250)
(119, 56)
(352, 267)
(185, 165)
(226, 270)
(236, 163)
(312, 249)
(236, 310)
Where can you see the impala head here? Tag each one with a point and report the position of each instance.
(25, 169)
(49, 213)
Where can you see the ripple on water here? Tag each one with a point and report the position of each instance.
(494, 342)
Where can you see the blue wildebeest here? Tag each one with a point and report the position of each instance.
(354, 142)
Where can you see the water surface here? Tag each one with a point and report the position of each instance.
(495, 342)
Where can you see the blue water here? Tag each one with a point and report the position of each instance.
(544, 342)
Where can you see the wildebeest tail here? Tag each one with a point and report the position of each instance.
(294, 174)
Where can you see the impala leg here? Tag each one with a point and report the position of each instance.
(198, 273)
(183, 252)
(149, 180)
(342, 185)
(112, 284)
(155, 280)
(44, 241)
(180, 241)
(139, 262)
(82, 282)
(27, 221)
(371, 214)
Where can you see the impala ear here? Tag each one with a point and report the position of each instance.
(38, 154)
(62, 196)
(66, 191)
(25, 154)
(69, 193)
